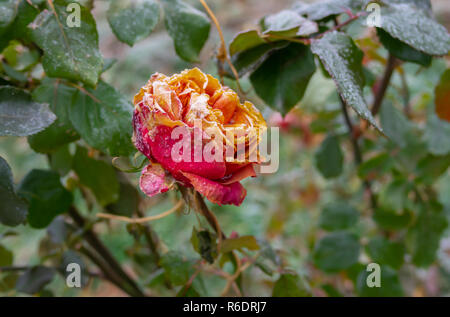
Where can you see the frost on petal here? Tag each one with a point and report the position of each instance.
(231, 194)
(161, 145)
(154, 180)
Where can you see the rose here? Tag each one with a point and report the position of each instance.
(168, 109)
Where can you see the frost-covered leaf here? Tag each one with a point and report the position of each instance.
(13, 209)
(188, 27)
(415, 28)
(58, 96)
(403, 51)
(281, 80)
(20, 115)
(133, 20)
(288, 23)
(343, 61)
(321, 10)
(69, 52)
(103, 117)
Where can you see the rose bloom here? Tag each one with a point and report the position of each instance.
(182, 101)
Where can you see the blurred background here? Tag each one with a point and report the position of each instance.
(282, 208)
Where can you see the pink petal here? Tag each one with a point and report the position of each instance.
(154, 180)
(232, 194)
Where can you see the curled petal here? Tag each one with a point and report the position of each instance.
(231, 194)
(238, 175)
(154, 180)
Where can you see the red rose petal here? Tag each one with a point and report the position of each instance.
(240, 174)
(161, 144)
(232, 194)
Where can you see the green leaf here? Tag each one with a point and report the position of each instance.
(69, 52)
(383, 251)
(34, 279)
(390, 284)
(132, 21)
(177, 268)
(248, 242)
(395, 195)
(290, 285)
(431, 168)
(281, 80)
(61, 132)
(375, 166)
(244, 41)
(426, 234)
(187, 26)
(6, 256)
(391, 220)
(415, 28)
(61, 160)
(436, 135)
(103, 119)
(395, 125)
(338, 216)
(18, 29)
(403, 51)
(343, 61)
(20, 115)
(336, 251)
(98, 175)
(13, 209)
(249, 60)
(288, 23)
(46, 196)
(204, 243)
(329, 157)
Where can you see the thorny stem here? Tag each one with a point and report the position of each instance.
(381, 91)
(357, 152)
(223, 52)
(131, 287)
